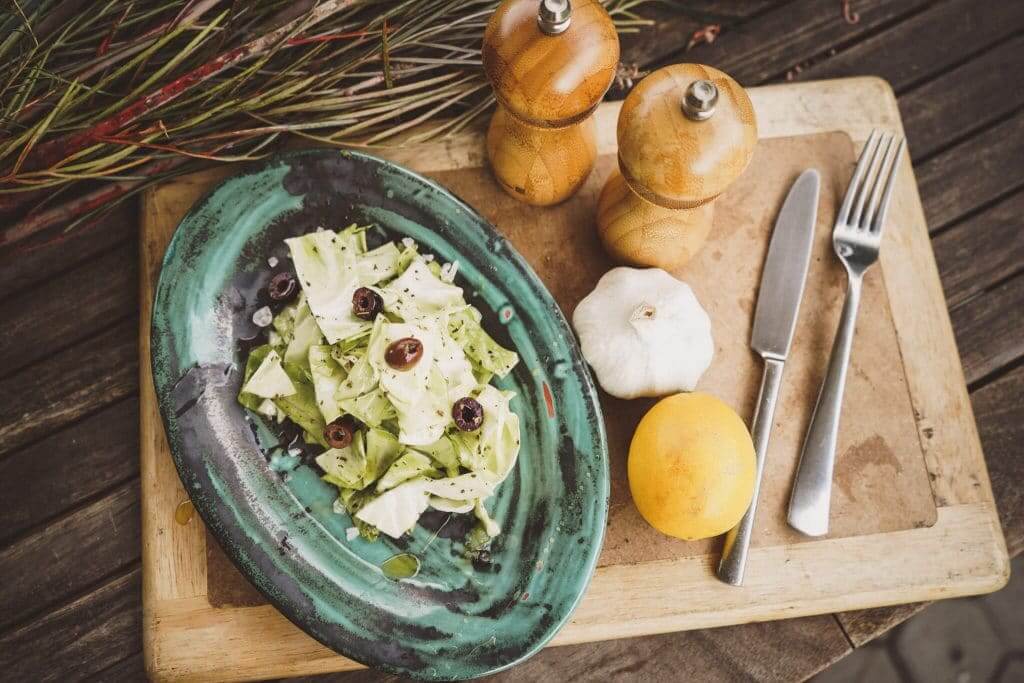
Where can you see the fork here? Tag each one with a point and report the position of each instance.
(857, 239)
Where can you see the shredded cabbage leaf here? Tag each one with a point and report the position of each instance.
(270, 379)
(325, 265)
(323, 363)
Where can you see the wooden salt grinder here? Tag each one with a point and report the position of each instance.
(685, 132)
(550, 63)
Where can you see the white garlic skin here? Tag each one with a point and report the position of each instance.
(644, 333)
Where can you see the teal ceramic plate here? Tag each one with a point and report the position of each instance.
(270, 510)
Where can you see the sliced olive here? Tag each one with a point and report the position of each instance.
(339, 433)
(468, 414)
(366, 303)
(404, 353)
(283, 287)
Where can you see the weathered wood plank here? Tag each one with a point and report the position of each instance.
(46, 568)
(984, 249)
(775, 651)
(764, 49)
(926, 44)
(863, 626)
(1000, 416)
(186, 619)
(68, 467)
(789, 650)
(132, 668)
(972, 174)
(674, 25)
(988, 329)
(967, 98)
(25, 265)
(59, 390)
(1000, 413)
(69, 307)
(79, 639)
(600, 648)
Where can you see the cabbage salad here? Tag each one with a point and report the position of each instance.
(377, 357)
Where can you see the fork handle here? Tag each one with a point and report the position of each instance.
(812, 491)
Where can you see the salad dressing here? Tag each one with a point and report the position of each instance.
(401, 566)
(183, 513)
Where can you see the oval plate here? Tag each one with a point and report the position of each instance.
(270, 510)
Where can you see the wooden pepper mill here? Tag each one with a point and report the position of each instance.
(685, 132)
(550, 63)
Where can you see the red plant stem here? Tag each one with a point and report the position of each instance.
(109, 38)
(62, 213)
(188, 16)
(122, 51)
(327, 37)
(53, 151)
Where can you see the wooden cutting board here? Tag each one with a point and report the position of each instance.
(913, 517)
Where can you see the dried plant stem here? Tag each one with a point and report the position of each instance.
(129, 91)
(62, 213)
(54, 150)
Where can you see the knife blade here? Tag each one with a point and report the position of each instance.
(785, 269)
(778, 303)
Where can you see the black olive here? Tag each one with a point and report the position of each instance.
(366, 303)
(283, 287)
(339, 433)
(468, 414)
(404, 353)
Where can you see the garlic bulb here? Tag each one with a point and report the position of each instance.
(644, 333)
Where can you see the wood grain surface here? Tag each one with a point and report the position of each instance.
(676, 162)
(550, 81)
(945, 89)
(656, 208)
(540, 166)
(882, 482)
(636, 232)
(541, 142)
(175, 597)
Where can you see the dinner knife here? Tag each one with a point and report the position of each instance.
(778, 302)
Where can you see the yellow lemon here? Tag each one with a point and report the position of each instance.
(691, 466)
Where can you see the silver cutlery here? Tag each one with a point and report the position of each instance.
(856, 238)
(778, 302)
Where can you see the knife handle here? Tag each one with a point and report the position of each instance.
(810, 501)
(737, 542)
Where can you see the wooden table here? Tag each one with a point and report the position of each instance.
(69, 486)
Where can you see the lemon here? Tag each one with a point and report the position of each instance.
(691, 466)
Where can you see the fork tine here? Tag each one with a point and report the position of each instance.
(871, 179)
(883, 209)
(862, 163)
(884, 173)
